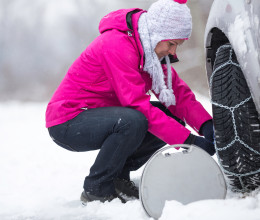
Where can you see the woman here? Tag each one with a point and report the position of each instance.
(102, 103)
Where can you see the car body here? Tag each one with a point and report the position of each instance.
(238, 20)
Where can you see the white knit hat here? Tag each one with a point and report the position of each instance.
(168, 19)
(165, 20)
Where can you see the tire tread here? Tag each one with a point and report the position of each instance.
(230, 88)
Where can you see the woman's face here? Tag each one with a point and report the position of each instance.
(164, 48)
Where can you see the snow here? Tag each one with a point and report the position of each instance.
(247, 208)
(40, 180)
(237, 35)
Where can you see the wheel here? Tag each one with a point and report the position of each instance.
(236, 123)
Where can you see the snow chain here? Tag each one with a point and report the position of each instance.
(232, 109)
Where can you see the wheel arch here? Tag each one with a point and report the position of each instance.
(216, 37)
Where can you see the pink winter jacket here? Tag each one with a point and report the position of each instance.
(110, 73)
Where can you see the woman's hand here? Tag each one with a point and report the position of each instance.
(201, 142)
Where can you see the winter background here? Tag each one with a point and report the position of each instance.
(39, 180)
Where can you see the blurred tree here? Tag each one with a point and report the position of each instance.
(40, 39)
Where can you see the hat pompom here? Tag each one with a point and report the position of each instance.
(181, 1)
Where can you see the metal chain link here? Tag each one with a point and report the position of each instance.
(232, 109)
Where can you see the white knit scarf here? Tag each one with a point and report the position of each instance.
(153, 66)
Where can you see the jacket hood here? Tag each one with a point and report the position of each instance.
(115, 20)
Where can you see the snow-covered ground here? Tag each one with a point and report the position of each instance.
(39, 180)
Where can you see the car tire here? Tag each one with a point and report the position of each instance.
(236, 123)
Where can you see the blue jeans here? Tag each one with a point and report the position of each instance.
(122, 137)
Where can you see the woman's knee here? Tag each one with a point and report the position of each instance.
(135, 119)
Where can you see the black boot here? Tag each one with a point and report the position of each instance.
(86, 197)
(126, 187)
